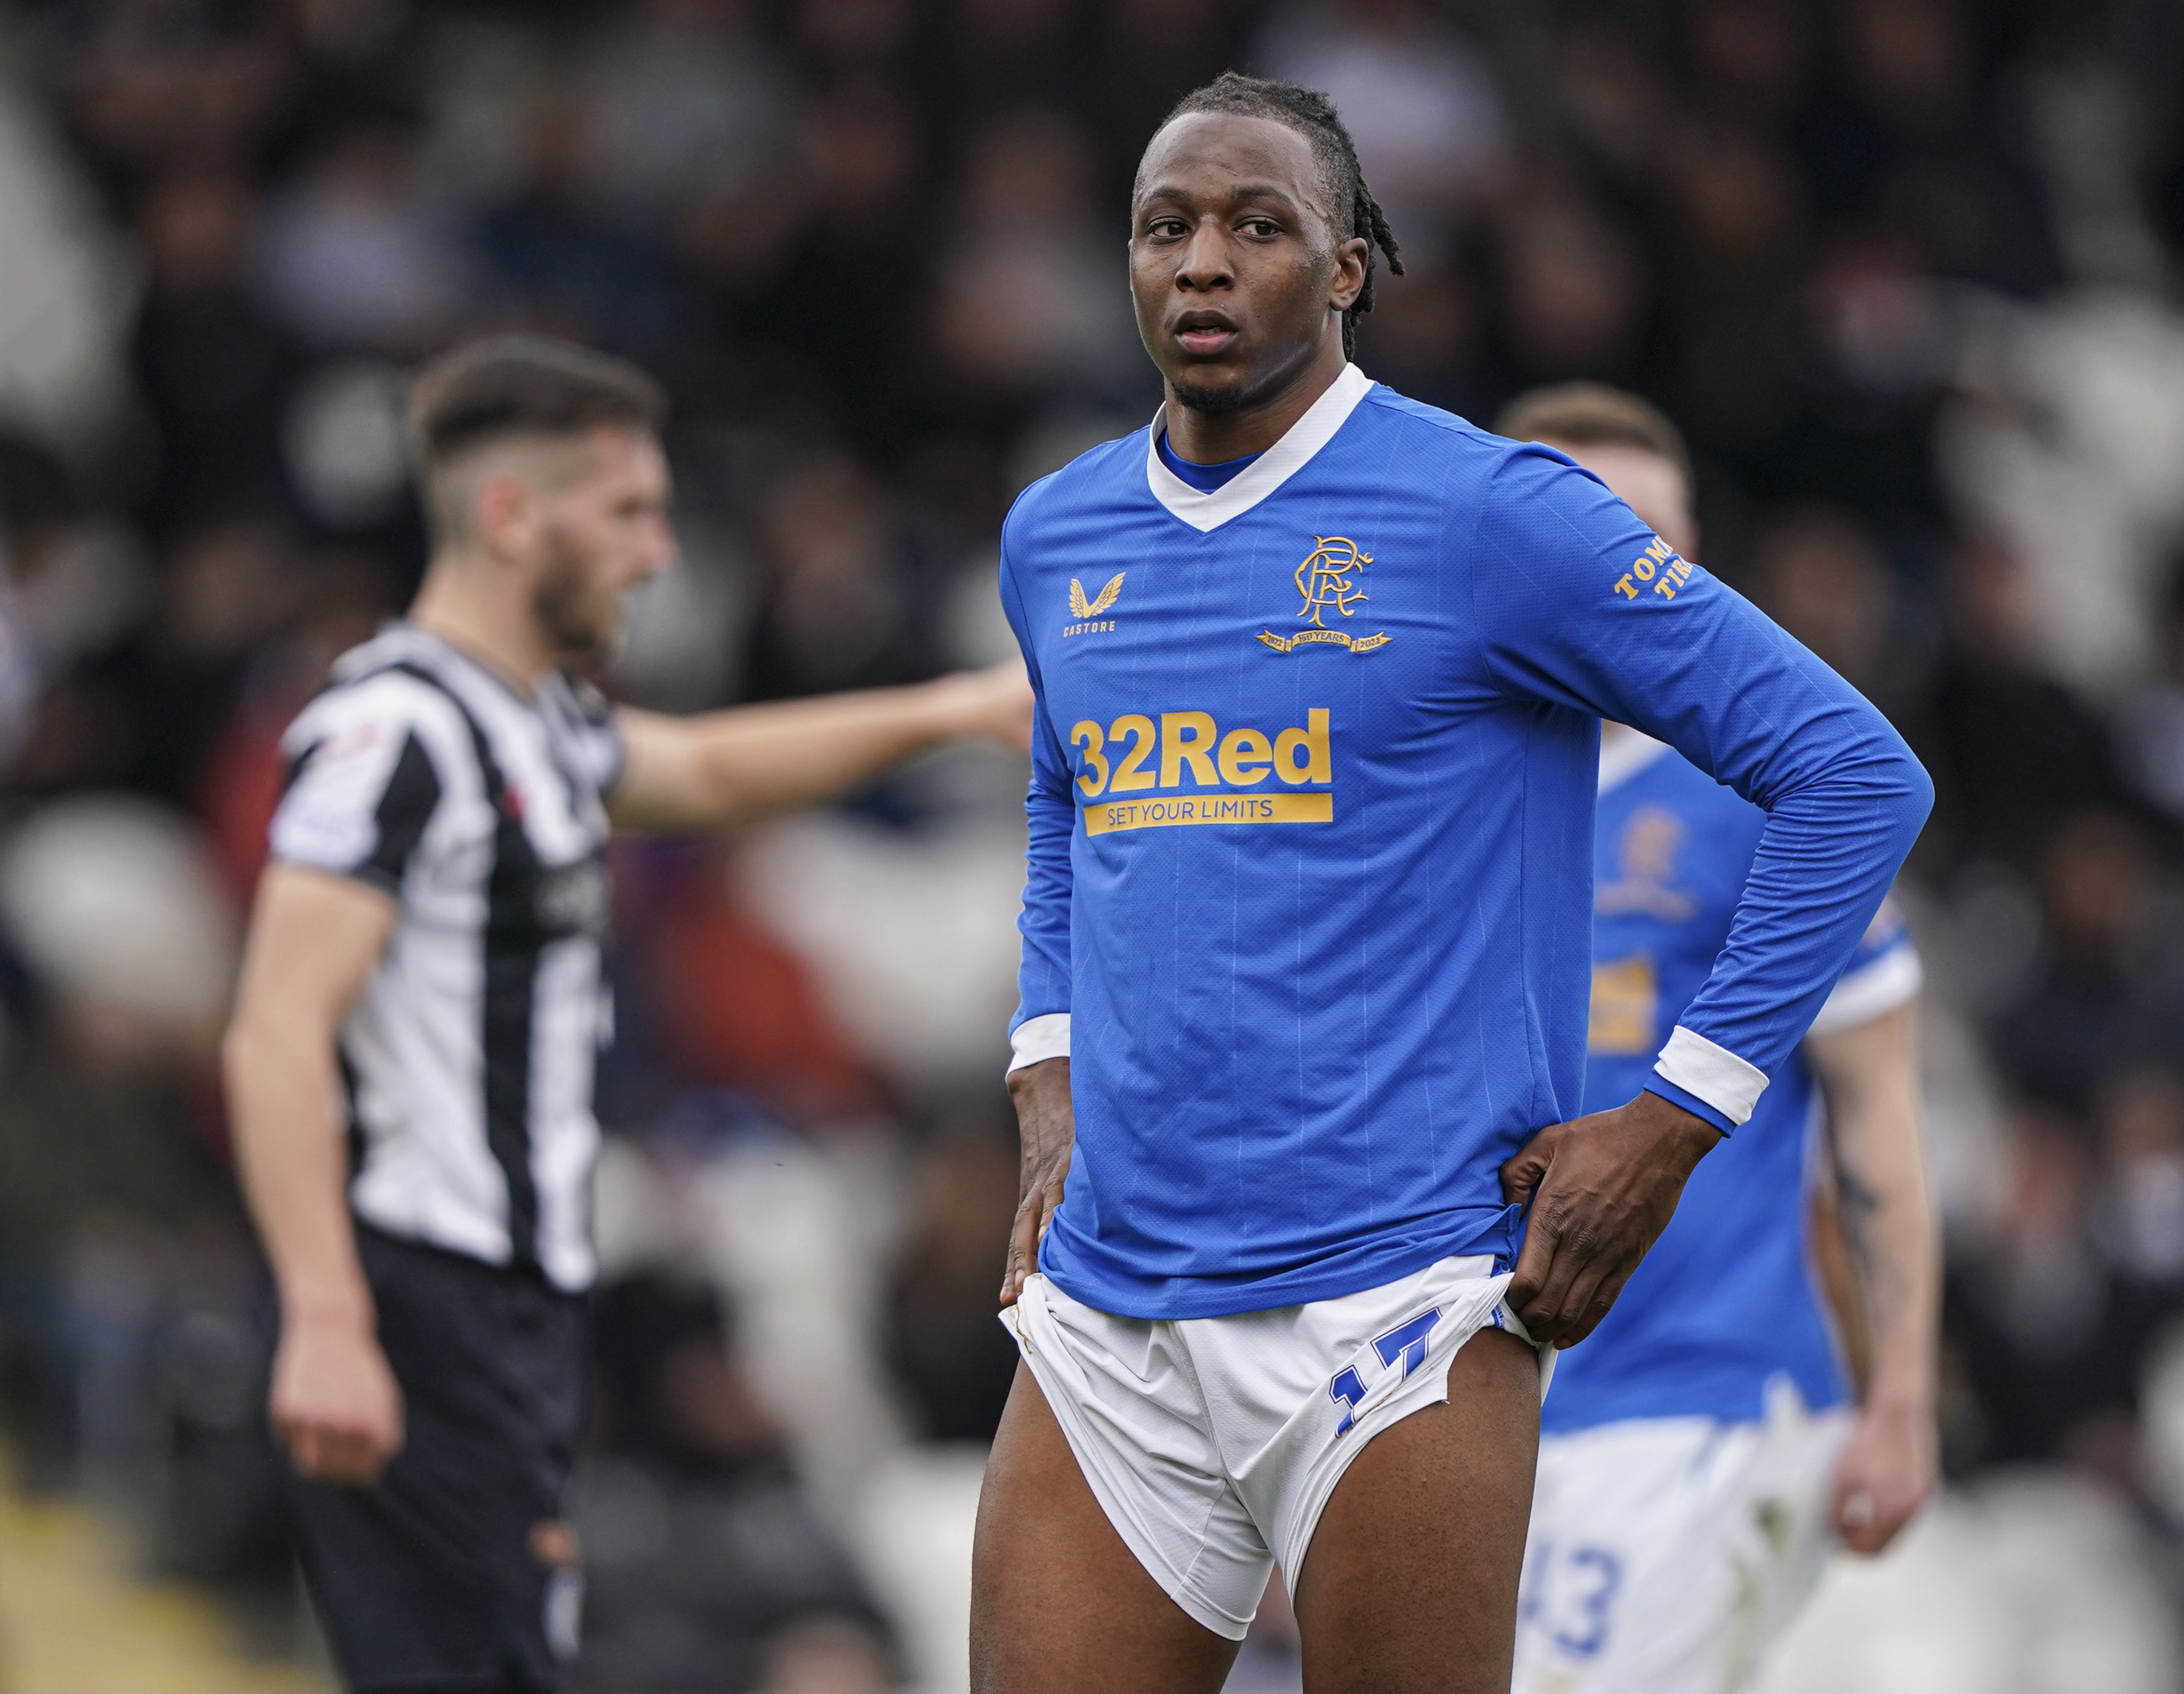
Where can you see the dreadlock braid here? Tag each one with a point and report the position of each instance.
(1312, 115)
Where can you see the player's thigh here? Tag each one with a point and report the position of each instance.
(1411, 1580)
(1058, 1603)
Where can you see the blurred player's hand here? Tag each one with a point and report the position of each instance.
(335, 1403)
(1601, 1189)
(1884, 1476)
(993, 705)
(1046, 1121)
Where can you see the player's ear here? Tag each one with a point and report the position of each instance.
(1349, 274)
(503, 514)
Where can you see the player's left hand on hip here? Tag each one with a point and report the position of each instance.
(1047, 1121)
(1601, 1189)
(1887, 1473)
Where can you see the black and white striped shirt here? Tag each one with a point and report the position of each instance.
(469, 1057)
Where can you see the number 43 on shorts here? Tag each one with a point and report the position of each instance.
(1406, 1342)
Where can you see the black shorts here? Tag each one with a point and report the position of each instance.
(454, 1572)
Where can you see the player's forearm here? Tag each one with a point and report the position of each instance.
(1827, 857)
(1888, 1225)
(283, 1100)
(1869, 1080)
(753, 762)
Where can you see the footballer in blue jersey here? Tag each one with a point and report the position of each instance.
(1701, 1452)
(1306, 938)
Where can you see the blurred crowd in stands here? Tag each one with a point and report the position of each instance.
(1908, 271)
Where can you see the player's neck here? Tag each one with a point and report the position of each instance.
(485, 614)
(1215, 437)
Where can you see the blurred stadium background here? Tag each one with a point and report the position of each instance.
(1907, 270)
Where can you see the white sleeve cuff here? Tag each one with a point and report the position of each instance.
(1891, 980)
(1037, 1039)
(1716, 1075)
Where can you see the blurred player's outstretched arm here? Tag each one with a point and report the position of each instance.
(1869, 1075)
(736, 766)
(314, 941)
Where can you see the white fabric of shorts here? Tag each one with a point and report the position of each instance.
(1667, 1555)
(1213, 1444)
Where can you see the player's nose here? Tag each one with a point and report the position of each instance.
(658, 552)
(1205, 263)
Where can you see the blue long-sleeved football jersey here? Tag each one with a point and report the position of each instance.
(1727, 1300)
(1311, 810)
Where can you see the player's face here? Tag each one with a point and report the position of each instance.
(1652, 486)
(1237, 276)
(602, 531)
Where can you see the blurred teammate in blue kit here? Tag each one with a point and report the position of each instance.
(1319, 673)
(1701, 1453)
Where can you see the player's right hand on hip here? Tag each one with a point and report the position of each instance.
(335, 1404)
(1601, 1189)
(1047, 1121)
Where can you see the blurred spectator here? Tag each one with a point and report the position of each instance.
(2153, 723)
(702, 1551)
(1831, 395)
(2106, 996)
(161, 696)
(566, 254)
(1817, 572)
(1573, 295)
(1417, 99)
(685, 87)
(840, 604)
(357, 256)
(849, 299)
(215, 367)
(2139, 1122)
(1030, 305)
(2010, 748)
(1749, 58)
(737, 1007)
(2047, 1337)
(942, 1344)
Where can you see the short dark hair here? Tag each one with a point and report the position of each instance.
(515, 385)
(1311, 115)
(1594, 415)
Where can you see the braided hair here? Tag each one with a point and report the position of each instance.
(1312, 115)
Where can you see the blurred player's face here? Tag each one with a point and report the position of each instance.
(1654, 487)
(1238, 281)
(601, 529)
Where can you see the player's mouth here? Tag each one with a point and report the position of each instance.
(1206, 333)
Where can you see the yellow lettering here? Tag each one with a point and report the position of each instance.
(1130, 775)
(1107, 820)
(1087, 735)
(1659, 550)
(1665, 588)
(1246, 757)
(1187, 738)
(1318, 765)
(1623, 587)
(1643, 569)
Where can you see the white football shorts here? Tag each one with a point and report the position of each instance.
(1213, 1444)
(1668, 1554)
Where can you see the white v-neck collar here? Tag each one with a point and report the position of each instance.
(1208, 509)
(1624, 752)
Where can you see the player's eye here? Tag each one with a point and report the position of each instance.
(1166, 229)
(1261, 229)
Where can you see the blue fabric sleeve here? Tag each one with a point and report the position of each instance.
(1579, 605)
(1043, 980)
